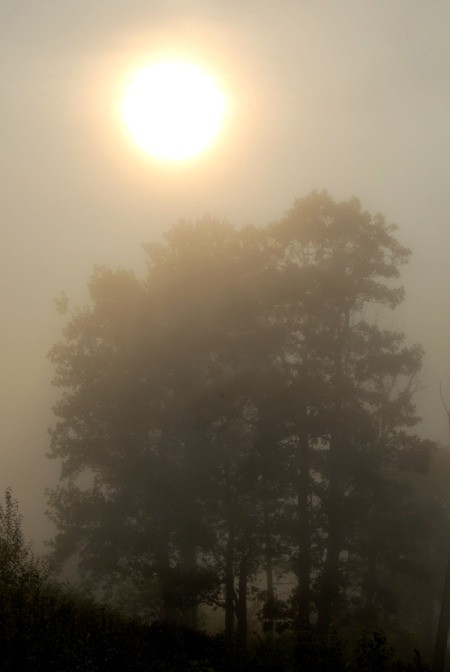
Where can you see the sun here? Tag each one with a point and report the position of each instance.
(173, 110)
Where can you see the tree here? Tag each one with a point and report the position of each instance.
(440, 648)
(240, 413)
(351, 405)
(18, 564)
(135, 367)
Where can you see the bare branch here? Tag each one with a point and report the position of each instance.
(442, 399)
(444, 404)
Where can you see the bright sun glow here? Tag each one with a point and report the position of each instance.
(173, 110)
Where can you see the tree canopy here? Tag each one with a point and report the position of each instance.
(238, 428)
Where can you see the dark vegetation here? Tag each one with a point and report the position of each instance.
(47, 626)
(238, 436)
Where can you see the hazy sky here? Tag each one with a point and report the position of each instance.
(350, 96)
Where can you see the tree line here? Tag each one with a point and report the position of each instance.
(237, 430)
(46, 625)
(49, 626)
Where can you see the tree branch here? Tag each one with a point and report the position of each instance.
(444, 404)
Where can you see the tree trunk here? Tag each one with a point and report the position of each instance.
(370, 583)
(229, 586)
(329, 589)
(242, 605)
(190, 608)
(331, 575)
(268, 553)
(303, 593)
(166, 610)
(440, 648)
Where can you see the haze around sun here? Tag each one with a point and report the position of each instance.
(173, 110)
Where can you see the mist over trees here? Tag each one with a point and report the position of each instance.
(237, 430)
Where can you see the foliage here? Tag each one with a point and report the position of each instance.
(19, 567)
(240, 419)
(56, 629)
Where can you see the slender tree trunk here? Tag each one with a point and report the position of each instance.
(369, 616)
(268, 553)
(166, 610)
(329, 589)
(242, 605)
(229, 586)
(270, 606)
(440, 647)
(303, 593)
(331, 578)
(190, 609)
(330, 585)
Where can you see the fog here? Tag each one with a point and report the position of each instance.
(351, 97)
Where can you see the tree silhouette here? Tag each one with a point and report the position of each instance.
(241, 415)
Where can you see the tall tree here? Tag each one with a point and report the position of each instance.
(135, 367)
(17, 561)
(344, 262)
(241, 415)
(440, 647)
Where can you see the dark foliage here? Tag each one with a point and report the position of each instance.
(49, 629)
(236, 430)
